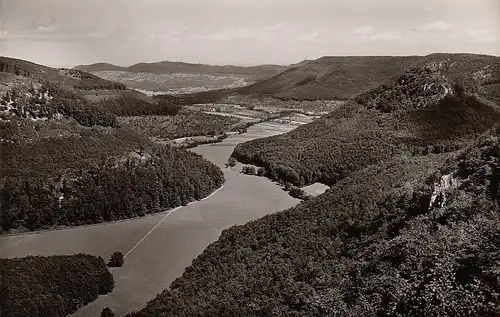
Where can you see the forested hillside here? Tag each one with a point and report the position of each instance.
(51, 286)
(186, 123)
(66, 161)
(409, 227)
(416, 236)
(65, 77)
(343, 77)
(422, 111)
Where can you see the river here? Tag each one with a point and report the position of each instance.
(159, 247)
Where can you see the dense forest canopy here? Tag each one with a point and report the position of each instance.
(51, 286)
(143, 183)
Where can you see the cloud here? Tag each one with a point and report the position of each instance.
(43, 28)
(309, 37)
(435, 26)
(265, 33)
(364, 30)
(98, 34)
(385, 36)
(278, 27)
(228, 35)
(482, 36)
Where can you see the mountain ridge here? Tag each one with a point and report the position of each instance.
(166, 67)
(343, 77)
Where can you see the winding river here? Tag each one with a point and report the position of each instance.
(160, 246)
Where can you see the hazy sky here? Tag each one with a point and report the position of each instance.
(69, 32)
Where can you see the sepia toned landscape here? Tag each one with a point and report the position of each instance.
(321, 159)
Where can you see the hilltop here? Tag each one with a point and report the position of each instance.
(65, 77)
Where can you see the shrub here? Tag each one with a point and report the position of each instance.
(249, 170)
(297, 193)
(231, 162)
(107, 312)
(261, 171)
(116, 260)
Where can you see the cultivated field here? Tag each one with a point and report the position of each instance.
(175, 83)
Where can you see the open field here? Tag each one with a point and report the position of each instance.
(181, 83)
(164, 254)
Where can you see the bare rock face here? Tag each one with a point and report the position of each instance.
(414, 89)
(438, 198)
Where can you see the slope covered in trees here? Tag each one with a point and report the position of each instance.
(422, 111)
(415, 236)
(66, 77)
(66, 161)
(100, 190)
(51, 286)
(135, 104)
(409, 227)
(185, 124)
(343, 77)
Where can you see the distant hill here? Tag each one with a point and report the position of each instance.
(182, 78)
(168, 67)
(337, 77)
(331, 77)
(64, 77)
(97, 67)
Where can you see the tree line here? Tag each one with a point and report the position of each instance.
(164, 178)
(129, 104)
